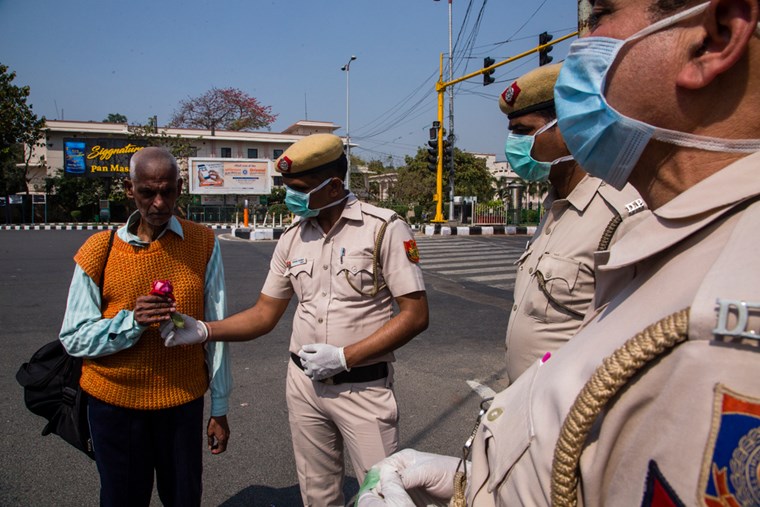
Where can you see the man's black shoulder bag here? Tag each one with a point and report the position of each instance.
(51, 388)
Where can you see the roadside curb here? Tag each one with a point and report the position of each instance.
(257, 234)
(479, 230)
(84, 227)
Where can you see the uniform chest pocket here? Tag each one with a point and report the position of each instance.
(507, 433)
(566, 286)
(300, 276)
(355, 277)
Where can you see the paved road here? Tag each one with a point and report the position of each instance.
(435, 373)
(485, 260)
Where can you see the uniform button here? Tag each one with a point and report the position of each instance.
(514, 308)
(324, 267)
(324, 293)
(521, 268)
(530, 271)
(494, 414)
(319, 320)
(548, 230)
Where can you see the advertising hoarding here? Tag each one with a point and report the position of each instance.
(98, 157)
(243, 176)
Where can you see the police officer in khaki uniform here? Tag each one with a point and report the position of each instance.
(555, 275)
(347, 262)
(656, 400)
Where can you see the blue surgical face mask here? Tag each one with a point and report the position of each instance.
(605, 143)
(298, 202)
(518, 150)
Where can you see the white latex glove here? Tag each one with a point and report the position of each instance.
(195, 331)
(429, 478)
(382, 487)
(321, 360)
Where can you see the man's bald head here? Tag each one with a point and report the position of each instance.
(153, 158)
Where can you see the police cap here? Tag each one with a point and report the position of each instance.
(532, 92)
(311, 154)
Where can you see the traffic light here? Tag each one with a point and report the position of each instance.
(543, 53)
(448, 152)
(487, 79)
(432, 155)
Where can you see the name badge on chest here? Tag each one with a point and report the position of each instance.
(295, 262)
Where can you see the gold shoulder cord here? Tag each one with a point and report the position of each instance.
(460, 478)
(609, 231)
(614, 372)
(375, 263)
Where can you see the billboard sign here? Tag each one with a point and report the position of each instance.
(98, 157)
(243, 176)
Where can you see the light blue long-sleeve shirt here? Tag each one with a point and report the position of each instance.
(84, 333)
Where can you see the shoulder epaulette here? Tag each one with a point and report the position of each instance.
(621, 202)
(385, 214)
(292, 226)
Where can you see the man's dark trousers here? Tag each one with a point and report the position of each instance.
(130, 444)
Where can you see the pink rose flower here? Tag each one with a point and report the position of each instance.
(162, 288)
(165, 288)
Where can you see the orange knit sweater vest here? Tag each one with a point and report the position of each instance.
(148, 375)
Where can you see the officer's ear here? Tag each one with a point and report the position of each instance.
(719, 42)
(336, 187)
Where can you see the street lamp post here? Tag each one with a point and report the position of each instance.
(347, 69)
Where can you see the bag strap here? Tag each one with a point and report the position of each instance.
(105, 263)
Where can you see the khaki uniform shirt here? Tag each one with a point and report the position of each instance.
(320, 269)
(678, 421)
(562, 252)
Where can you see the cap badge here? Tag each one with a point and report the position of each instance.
(284, 164)
(510, 94)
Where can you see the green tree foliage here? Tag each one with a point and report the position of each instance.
(115, 118)
(277, 196)
(222, 108)
(416, 184)
(19, 126)
(471, 176)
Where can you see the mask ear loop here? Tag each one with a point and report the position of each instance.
(544, 129)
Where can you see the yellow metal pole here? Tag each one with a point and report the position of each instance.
(440, 88)
(508, 60)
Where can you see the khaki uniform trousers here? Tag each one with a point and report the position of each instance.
(323, 418)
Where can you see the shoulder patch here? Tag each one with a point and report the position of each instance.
(658, 491)
(412, 253)
(731, 465)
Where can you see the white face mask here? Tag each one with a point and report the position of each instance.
(604, 142)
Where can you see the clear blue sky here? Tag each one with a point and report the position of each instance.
(84, 59)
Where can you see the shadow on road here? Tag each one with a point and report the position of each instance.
(265, 496)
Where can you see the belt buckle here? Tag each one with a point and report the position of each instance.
(330, 381)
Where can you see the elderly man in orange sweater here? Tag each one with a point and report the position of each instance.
(146, 401)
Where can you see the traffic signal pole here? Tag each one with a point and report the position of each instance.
(440, 88)
(438, 197)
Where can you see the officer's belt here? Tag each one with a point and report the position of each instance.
(357, 374)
